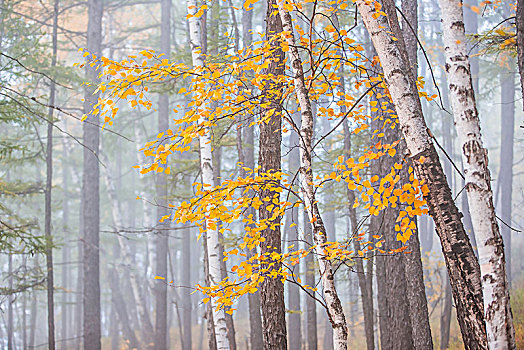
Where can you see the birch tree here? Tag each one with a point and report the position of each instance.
(206, 168)
(462, 265)
(334, 306)
(497, 312)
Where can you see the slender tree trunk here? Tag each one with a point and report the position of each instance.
(497, 313)
(90, 191)
(445, 316)
(364, 280)
(161, 239)
(311, 305)
(48, 187)
(206, 166)
(272, 289)
(519, 20)
(34, 314)
(461, 262)
(334, 306)
(415, 288)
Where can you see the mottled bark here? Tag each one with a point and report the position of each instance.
(415, 288)
(460, 260)
(272, 289)
(206, 167)
(497, 313)
(333, 304)
(90, 191)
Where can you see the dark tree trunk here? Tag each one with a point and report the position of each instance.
(445, 317)
(161, 237)
(416, 291)
(90, 191)
(10, 302)
(365, 281)
(463, 267)
(272, 290)
(311, 305)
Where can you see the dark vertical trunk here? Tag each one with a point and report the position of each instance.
(311, 305)
(365, 280)
(90, 191)
(48, 187)
(161, 239)
(186, 281)
(24, 318)
(415, 288)
(519, 20)
(247, 156)
(272, 290)
(395, 322)
(507, 113)
(445, 316)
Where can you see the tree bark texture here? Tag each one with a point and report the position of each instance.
(90, 191)
(185, 294)
(272, 290)
(206, 167)
(460, 260)
(334, 306)
(415, 288)
(497, 313)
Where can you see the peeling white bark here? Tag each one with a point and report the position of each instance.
(334, 306)
(206, 167)
(497, 314)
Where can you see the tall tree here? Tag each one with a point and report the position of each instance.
(497, 313)
(206, 167)
(272, 289)
(462, 265)
(333, 304)
(161, 239)
(48, 187)
(90, 190)
(416, 291)
(311, 304)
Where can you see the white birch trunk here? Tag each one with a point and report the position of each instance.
(334, 306)
(497, 314)
(206, 167)
(462, 265)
